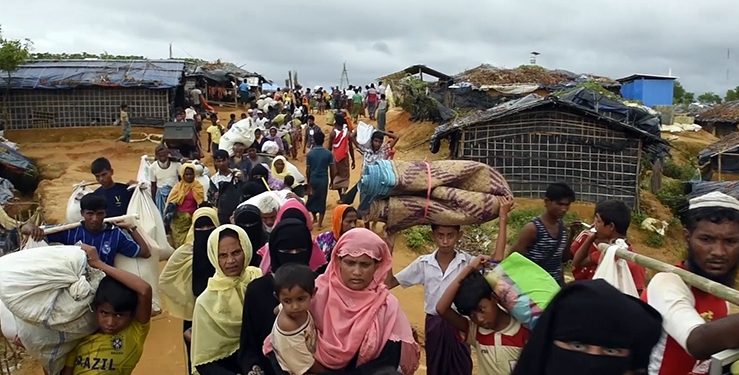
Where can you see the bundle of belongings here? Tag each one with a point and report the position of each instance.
(453, 192)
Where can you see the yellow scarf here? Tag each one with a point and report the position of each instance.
(181, 188)
(175, 280)
(218, 311)
(285, 172)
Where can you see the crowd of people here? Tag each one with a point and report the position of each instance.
(258, 293)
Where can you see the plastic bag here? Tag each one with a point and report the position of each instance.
(241, 131)
(522, 287)
(145, 268)
(616, 270)
(150, 222)
(271, 148)
(364, 134)
(73, 204)
(50, 285)
(144, 173)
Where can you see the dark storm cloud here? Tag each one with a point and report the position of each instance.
(375, 38)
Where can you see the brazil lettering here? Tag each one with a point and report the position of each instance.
(95, 363)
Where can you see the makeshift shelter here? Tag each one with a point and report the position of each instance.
(721, 119)
(72, 93)
(536, 140)
(417, 70)
(721, 158)
(219, 80)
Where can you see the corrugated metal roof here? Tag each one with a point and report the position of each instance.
(66, 74)
(636, 76)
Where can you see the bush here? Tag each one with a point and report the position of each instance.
(637, 217)
(673, 195)
(679, 172)
(655, 240)
(418, 238)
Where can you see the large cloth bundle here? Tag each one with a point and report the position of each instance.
(452, 192)
(616, 270)
(47, 292)
(241, 131)
(522, 287)
(150, 220)
(73, 204)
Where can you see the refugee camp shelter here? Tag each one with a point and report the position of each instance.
(534, 141)
(418, 70)
(720, 160)
(721, 119)
(73, 93)
(651, 90)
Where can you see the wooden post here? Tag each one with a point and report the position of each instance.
(700, 282)
(719, 166)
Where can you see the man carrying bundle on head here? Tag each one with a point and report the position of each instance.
(696, 324)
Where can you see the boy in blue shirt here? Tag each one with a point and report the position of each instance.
(108, 239)
(116, 194)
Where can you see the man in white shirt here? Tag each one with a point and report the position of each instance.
(261, 121)
(190, 113)
(164, 176)
(696, 324)
(195, 98)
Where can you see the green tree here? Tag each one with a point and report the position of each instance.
(678, 93)
(688, 98)
(13, 53)
(709, 98)
(732, 95)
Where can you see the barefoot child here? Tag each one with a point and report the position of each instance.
(445, 353)
(123, 307)
(294, 333)
(497, 338)
(126, 124)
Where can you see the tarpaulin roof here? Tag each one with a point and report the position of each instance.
(66, 74)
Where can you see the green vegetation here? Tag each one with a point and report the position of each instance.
(655, 240)
(637, 217)
(679, 172)
(681, 96)
(82, 56)
(13, 53)
(418, 238)
(673, 195)
(709, 98)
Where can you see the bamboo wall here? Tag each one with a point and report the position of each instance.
(534, 149)
(89, 106)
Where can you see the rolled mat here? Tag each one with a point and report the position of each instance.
(450, 192)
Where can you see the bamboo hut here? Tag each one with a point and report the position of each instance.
(535, 141)
(720, 160)
(720, 120)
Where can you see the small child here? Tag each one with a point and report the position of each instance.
(214, 133)
(288, 183)
(126, 124)
(232, 120)
(294, 333)
(612, 219)
(496, 337)
(123, 308)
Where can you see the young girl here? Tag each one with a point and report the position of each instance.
(293, 335)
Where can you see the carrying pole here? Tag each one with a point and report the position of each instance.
(709, 286)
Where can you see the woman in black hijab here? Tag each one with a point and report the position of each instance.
(249, 218)
(255, 185)
(591, 328)
(289, 242)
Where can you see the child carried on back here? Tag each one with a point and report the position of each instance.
(294, 335)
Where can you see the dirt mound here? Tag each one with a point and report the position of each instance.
(489, 75)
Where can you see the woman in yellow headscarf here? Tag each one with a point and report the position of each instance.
(218, 311)
(182, 202)
(186, 273)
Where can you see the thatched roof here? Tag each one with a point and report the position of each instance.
(485, 75)
(415, 69)
(727, 143)
(727, 113)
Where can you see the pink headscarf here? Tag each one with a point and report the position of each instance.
(317, 259)
(352, 322)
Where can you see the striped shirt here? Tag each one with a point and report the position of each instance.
(108, 242)
(547, 251)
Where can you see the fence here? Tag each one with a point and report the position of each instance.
(87, 106)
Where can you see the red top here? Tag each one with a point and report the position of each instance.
(638, 273)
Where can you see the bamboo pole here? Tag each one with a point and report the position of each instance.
(700, 282)
(63, 227)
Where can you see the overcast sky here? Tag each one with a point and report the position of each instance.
(377, 37)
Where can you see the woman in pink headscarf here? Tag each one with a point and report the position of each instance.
(360, 324)
(293, 209)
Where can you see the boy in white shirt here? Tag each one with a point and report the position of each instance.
(164, 176)
(446, 353)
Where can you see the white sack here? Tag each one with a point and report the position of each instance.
(271, 148)
(145, 268)
(616, 271)
(144, 173)
(73, 204)
(150, 222)
(241, 131)
(51, 347)
(364, 134)
(51, 285)
(7, 323)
